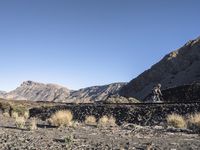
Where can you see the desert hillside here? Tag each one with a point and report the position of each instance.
(35, 91)
(175, 69)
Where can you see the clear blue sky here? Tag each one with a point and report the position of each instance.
(80, 43)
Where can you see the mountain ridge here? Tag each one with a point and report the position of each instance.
(174, 69)
(35, 91)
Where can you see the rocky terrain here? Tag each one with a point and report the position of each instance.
(35, 91)
(127, 135)
(84, 137)
(175, 69)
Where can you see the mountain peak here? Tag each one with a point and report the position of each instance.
(29, 82)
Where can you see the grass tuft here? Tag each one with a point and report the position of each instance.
(107, 121)
(20, 122)
(194, 122)
(61, 118)
(176, 121)
(33, 124)
(90, 120)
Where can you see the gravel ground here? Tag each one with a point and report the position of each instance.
(84, 137)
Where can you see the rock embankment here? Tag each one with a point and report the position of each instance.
(142, 114)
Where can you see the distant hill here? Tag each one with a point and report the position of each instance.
(96, 93)
(178, 68)
(35, 91)
(2, 94)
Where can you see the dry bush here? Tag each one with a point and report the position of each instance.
(6, 114)
(20, 122)
(21, 110)
(33, 124)
(176, 121)
(61, 118)
(5, 107)
(107, 121)
(26, 114)
(90, 120)
(14, 115)
(194, 121)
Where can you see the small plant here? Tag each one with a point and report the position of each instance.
(33, 124)
(14, 115)
(26, 114)
(194, 122)
(107, 121)
(61, 118)
(20, 122)
(176, 121)
(6, 114)
(69, 141)
(75, 124)
(21, 110)
(5, 107)
(90, 120)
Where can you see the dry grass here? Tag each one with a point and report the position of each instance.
(107, 121)
(176, 121)
(61, 118)
(33, 124)
(6, 114)
(21, 110)
(194, 121)
(26, 114)
(5, 107)
(14, 115)
(90, 120)
(20, 122)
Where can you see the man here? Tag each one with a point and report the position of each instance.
(156, 93)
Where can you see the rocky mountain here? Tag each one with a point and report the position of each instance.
(95, 93)
(35, 91)
(179, 67)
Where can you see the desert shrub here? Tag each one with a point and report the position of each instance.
(14, 115)
(33, 124)
(61, 118)
(69, 140)
(6, 114)
(21, 110)
(176, 121)
(90, 120)
(194, 122)
(107, 121)
(26, 114)
(20, 122)
(5, 107)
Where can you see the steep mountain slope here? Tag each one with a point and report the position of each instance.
(175, 69)
(34, 91)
